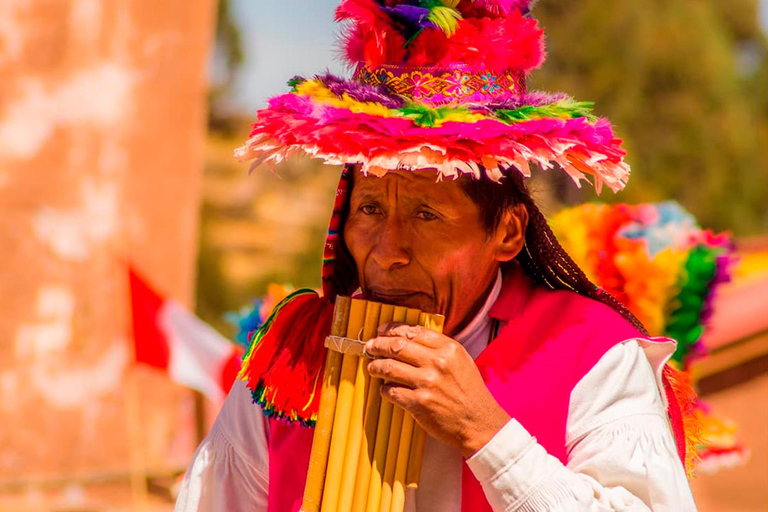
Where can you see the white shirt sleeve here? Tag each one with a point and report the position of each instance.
(621, 455)
(230, 469)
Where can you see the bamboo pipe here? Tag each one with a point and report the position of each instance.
(387, 484)
(321, 441)
(332, 487)
(385, 450)
(352, 454)
(414, 317)
(392, 488)
(370, 424)
(435, 323)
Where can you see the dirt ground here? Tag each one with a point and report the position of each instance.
(745, 488)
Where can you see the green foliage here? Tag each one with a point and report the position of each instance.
(228, 36)
(277, 232)
(229, 46)
(686, 85)
(212, 299)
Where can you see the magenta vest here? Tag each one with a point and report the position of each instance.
(548, 342)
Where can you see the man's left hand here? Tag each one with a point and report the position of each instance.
(435, 379)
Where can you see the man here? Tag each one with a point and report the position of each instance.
(544, 393)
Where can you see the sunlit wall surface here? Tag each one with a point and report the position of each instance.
(102, 122)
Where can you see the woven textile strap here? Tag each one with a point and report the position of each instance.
(457, 84)
(332, 240)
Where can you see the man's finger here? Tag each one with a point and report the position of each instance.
(422, 335)
(398, 347)
(393, 371)
(401, 395)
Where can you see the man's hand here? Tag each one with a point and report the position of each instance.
(434, 378)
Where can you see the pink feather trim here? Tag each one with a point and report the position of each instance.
(295, 123)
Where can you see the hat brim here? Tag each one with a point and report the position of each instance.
(387, 133)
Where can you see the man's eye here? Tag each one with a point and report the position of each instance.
(368, 209)
(425, 215)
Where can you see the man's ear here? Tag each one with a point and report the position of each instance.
(510, 233)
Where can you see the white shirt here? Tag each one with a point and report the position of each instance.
(621, 455)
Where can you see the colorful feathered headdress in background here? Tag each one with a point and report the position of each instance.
(656, 260)
(667, 270)
(438, 84)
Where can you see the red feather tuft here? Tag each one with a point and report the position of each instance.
(514, 42)
(366, 13)
(499, 38)
(429, 48)
(374, 40)
(353, 45)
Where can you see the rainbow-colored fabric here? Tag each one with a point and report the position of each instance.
(656, 260)
(666, 269)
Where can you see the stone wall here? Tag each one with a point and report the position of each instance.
(102, 126)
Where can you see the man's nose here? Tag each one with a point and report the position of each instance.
(392, 249)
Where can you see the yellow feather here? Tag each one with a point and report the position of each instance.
(446, 18)
(316, 90)
(460, 117)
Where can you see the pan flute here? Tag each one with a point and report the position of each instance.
(365, 451)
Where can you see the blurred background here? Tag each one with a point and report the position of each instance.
(118, 187)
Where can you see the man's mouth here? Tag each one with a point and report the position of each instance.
(391, 294)
(396, 297)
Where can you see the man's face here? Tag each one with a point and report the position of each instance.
(421, 244)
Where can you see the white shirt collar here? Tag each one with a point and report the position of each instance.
(474, 337)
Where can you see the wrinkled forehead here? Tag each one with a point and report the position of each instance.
(425, 177)
(423, 184)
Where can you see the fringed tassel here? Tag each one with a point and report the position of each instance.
(284, 362)
(720, 447)
(686, 425)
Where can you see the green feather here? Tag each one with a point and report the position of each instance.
(423, 115)
(562, 110)
(295, 82)
(684, 323)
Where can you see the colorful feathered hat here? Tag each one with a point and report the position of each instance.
(438, 84)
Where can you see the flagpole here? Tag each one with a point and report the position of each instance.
(138, 465)
(200, 424)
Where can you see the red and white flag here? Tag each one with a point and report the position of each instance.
(168, 336)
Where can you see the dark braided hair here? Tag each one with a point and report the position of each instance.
(542, 258)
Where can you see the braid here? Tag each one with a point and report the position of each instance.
(545, 260)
